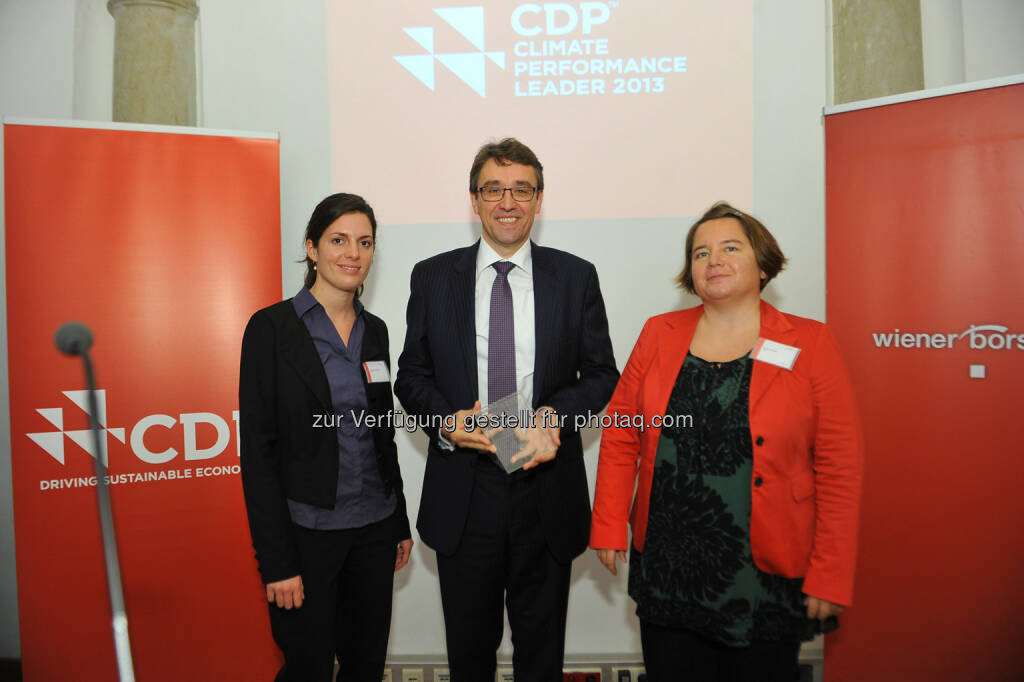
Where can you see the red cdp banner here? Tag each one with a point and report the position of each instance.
(925, 251)
(164, 244)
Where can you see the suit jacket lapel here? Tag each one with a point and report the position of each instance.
(463, 298)
(547, 305)
(298, 349)
(776, 327)
(371, 346)
(673, 346)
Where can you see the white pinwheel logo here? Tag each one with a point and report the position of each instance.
(470, 67)
(53, 441)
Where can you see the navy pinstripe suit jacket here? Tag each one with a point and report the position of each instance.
(574, 372)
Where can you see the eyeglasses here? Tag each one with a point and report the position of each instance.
(495, 193)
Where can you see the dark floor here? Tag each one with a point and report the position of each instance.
(10, 670)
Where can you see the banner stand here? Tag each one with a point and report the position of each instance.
(164, 240)
(925, 241)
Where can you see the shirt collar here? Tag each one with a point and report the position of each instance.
(305, 301)
(522, 258)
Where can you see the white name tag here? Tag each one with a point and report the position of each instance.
(376, 371)
(775, 353)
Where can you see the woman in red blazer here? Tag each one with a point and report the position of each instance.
(744, 450)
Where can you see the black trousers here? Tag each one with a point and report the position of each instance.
(347, 577)
(503, 561)
(675, 655)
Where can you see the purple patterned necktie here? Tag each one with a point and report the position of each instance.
(501, 340)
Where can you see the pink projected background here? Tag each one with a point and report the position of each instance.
(636, 109)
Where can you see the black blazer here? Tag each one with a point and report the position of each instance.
(282, 386)
(574, 372)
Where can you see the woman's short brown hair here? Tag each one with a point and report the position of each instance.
(770, 258)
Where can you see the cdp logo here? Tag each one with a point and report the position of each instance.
(52, 442)
(470, 67)
(560, 18)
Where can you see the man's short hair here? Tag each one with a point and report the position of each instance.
(508, 151)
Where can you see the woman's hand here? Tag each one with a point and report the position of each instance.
(404, 552)
(286, 594)
(607, 557)
(819, 609)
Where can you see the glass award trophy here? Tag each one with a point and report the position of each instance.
(500, 422)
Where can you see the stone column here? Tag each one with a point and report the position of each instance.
(876, 46)
(154, 61)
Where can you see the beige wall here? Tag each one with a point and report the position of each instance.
(876, 46)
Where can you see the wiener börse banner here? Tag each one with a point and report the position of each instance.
(163, 243)
(925, 255)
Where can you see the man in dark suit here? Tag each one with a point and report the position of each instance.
(499, 317)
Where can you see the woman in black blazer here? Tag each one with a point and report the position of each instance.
(319, 464)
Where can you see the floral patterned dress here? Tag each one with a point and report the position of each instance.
(696, 571)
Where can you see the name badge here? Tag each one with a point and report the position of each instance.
(376, 371)
(775, 353)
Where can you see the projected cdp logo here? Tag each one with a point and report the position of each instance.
(470, 67)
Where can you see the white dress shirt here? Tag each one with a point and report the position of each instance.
(520, 280)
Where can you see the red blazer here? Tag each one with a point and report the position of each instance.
(808, 451)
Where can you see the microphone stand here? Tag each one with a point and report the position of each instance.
(122, 646)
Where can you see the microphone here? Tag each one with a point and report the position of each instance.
(73, 338)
